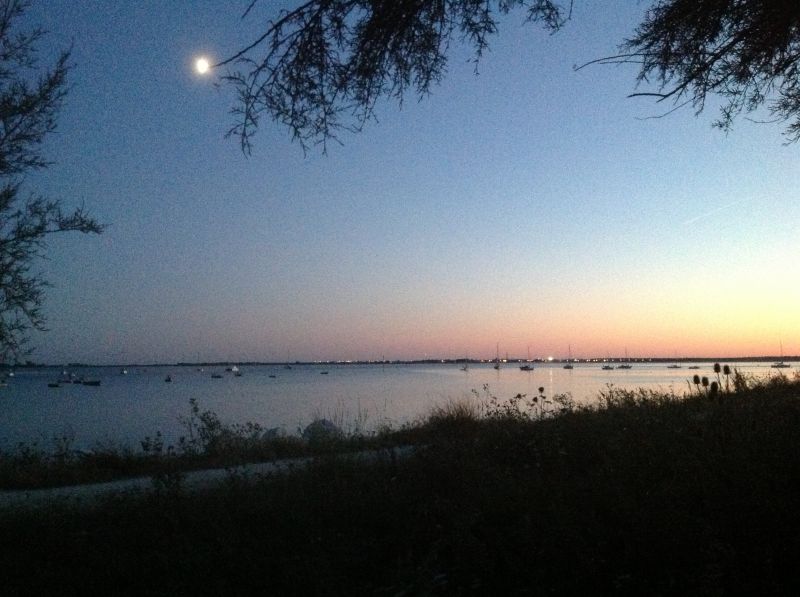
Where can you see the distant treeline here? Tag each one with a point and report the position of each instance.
(746, 359)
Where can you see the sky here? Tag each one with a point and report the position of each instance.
(529, 207)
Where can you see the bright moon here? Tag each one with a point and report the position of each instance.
(202, 65)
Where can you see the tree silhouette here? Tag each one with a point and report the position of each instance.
(30, 99)
(320, 68)
(745, 51)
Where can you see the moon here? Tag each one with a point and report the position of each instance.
(202, 65)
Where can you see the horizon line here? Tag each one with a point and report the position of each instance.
(424, 360)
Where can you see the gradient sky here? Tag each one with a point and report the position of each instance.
(530, 205)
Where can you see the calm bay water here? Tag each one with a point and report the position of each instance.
(126, 408)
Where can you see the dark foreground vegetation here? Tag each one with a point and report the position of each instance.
(207, 443)
(644, 493)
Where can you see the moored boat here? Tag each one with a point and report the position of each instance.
(527, 366)
(780, 364)
(569, 358)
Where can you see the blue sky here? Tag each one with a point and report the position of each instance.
(530, 205)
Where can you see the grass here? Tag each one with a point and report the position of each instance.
(207, 443)
(643, 493)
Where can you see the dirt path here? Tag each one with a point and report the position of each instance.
(189, 480)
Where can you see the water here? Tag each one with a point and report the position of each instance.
(126, 408)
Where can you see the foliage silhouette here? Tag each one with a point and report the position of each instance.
(320, 68)
(747, 52)
(30, 99)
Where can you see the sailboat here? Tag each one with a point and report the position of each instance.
(780, 364)
(497, 357)
(527, 365)
(569, 359)
(675, 364)
(627, 363)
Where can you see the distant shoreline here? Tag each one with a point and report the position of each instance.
(633, 361)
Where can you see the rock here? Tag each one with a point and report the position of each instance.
(322, 430)
(273, 433)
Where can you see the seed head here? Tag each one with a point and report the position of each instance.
(717, 368)
(696, 380)
(704, 381)
(726, 370)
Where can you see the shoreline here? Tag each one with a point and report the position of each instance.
(459, 361)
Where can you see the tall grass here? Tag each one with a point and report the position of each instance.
(207, 442)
